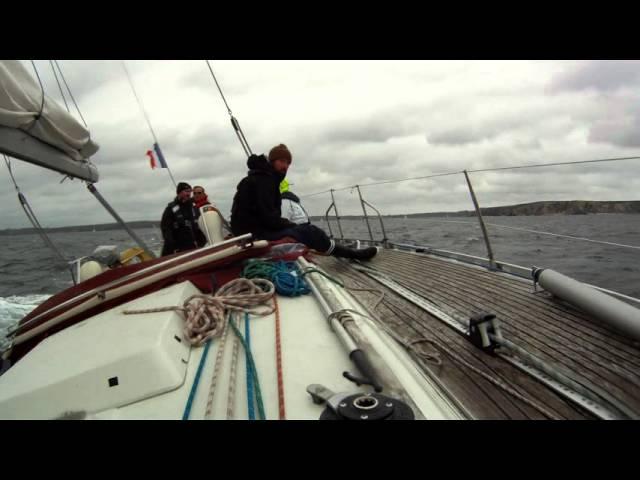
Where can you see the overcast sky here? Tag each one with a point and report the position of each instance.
(346, 123)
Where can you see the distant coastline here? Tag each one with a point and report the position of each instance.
(573, 207)
(82, 228)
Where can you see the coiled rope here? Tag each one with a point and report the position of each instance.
(209, 316)
(286, 276)
(206, 316)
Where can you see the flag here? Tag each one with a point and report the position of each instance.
(152, 159)
(156, 160)
(163, 162)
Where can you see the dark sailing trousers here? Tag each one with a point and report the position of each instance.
(310, 235)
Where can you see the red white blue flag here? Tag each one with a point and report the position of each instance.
(159, 161)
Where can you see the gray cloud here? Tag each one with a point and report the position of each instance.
(619, 121)
(601, 75)
(524, 122)
(624, 132)
(200, 79)
(399, 121)
(461, 135)
(83, 78)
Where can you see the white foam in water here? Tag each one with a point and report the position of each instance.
(13, 308)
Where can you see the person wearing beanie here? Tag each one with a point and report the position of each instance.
(257, 208)
(179, 227)
(182, 187)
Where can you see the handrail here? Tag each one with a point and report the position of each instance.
(335, 209)
(486, 237)
(364, 210)
(384, 232)
(363, 202)
(326, 216)
(485, 234)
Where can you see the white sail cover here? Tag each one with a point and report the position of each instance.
(20, 103)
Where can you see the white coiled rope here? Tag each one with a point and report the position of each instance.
(206, 316)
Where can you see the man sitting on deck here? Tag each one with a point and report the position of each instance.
(257, 208)
(179, 226)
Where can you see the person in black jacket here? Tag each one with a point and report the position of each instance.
(257, 205)
(179, 223)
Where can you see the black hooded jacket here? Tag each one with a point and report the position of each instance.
(180, 228)
(257, 203)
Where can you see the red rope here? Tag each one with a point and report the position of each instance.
(279, 363)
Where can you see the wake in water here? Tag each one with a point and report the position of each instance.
(12, 309)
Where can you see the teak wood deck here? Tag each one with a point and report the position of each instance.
(541, 324)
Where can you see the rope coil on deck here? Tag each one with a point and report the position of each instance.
(206, 316)
(286, 276)
(210, 316)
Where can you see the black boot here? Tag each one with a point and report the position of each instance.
(355, 254)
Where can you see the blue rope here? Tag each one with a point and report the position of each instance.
(254, 372)
(196, 381)
(286, 276)
(293, 283)
(250, 399)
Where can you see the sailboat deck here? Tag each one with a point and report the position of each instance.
(544, 326)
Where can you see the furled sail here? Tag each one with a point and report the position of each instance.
(41, 133)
